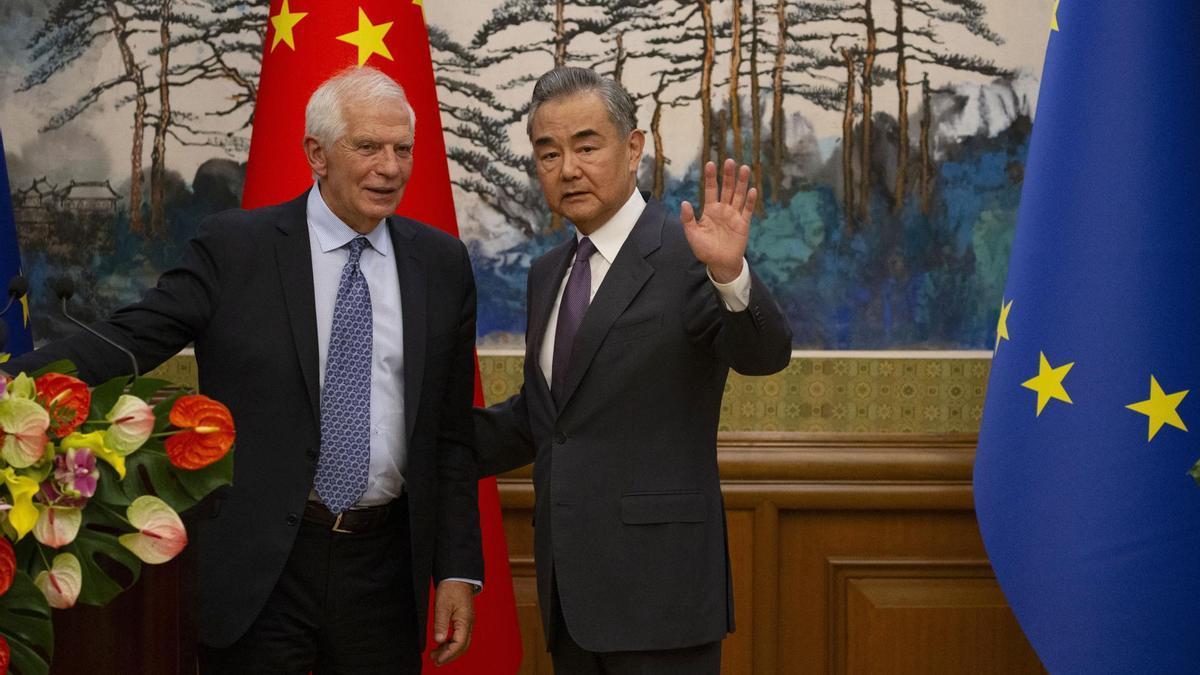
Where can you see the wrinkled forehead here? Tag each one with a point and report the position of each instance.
(388, 119)
(572, 117)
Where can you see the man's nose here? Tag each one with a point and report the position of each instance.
(389, 164)
(570, 167)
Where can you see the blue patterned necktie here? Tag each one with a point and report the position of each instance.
(575, 300)
(346, 394)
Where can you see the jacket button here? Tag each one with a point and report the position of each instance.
(312, 454)
(293, 519)
(560, 438)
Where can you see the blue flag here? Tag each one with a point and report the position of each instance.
(20, 338)
(1092, 419)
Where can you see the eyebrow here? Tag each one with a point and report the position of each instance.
(578, 135)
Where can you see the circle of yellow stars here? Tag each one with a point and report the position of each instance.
(1161, 409)
(367, 38)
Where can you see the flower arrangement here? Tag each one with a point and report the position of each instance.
(91, 485)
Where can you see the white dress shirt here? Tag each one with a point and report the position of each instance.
(608, 239)
(328, 237)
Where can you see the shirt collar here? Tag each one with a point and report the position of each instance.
(610, 236)
(332, 233)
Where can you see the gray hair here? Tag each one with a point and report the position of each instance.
(568, 81)
(323, 116)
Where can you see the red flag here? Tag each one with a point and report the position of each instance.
(308, 41)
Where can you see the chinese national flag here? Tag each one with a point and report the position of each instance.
(307, 42)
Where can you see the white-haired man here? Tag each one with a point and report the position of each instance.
(340, 336)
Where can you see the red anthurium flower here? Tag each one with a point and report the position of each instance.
(8, 565)
(206, 432)
(66, 398)
(5, 656)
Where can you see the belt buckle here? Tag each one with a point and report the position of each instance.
(337, 524)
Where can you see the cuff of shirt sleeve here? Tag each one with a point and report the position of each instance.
(474, 582)
(735, 294)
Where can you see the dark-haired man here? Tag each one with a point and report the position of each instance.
(632, 327)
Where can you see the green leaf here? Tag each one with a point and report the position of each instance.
(1195, 471)
(203, 481)
(26, 624)
(162, 411)
(105, 396)
(62, 366)
(97, 540)
(146, 387)
(108, 488)
(149, 472)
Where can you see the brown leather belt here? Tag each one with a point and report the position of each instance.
(350, 521)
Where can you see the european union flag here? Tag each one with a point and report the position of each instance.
(20, 339)
(1081, 479)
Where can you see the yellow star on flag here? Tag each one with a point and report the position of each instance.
(1161, 408)
(368, 38)
(1002, 324)
(1049, 383)
(1054, 17)
(284, 22)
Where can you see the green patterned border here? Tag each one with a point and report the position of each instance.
(869, 393)
(180, 369)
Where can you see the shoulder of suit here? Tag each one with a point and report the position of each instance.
(240, 223)
(427, 233)
(674, 242)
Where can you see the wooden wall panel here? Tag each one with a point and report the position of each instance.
(919, 624)
(851, 553)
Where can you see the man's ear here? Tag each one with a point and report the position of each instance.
(637, 142)
(315, 154)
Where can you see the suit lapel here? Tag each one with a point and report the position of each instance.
(544, 280)
(413, 297)
(293, 259)
(629, 272)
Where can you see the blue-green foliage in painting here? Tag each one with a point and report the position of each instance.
(903, 280)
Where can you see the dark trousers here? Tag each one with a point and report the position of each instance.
(343, 604)
(571, 659)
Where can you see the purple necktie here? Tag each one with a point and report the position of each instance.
(574, 304)
(346, 393)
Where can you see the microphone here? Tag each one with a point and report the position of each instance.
(18, 286)
(64, 288)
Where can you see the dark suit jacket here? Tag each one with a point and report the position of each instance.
(243, 294)
(629, 519)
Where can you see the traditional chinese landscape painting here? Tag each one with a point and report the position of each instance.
(888, 139)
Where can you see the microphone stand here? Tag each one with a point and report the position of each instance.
(64, 288)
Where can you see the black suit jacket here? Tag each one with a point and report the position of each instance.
(244, 295)
(629, 518)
